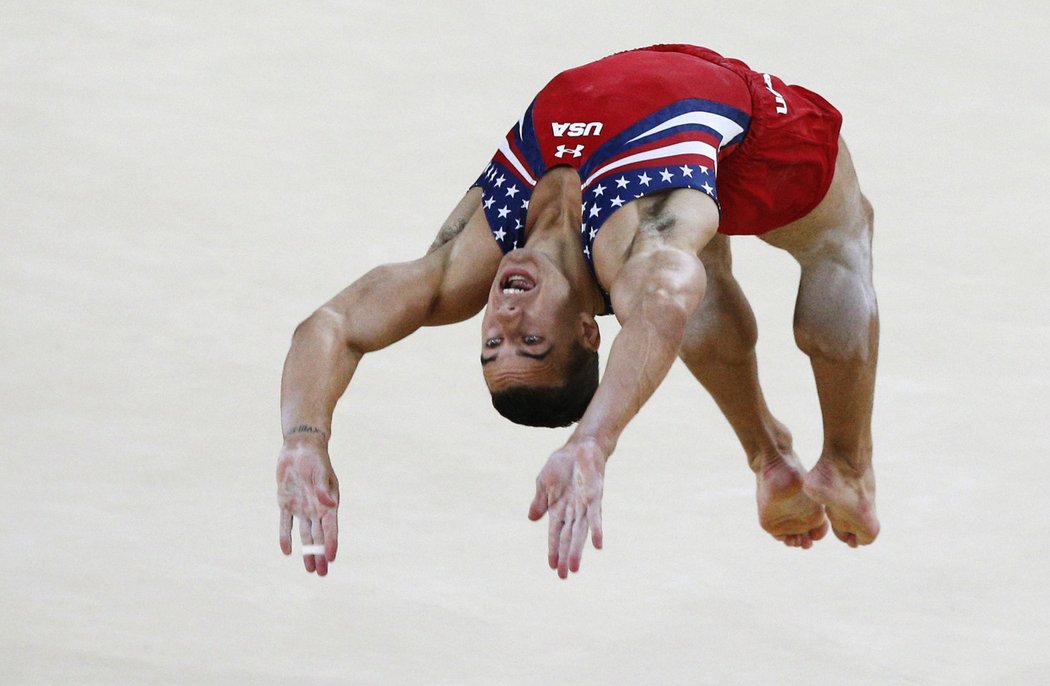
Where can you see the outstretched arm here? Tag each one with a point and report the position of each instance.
(390, 302)
(654, 293)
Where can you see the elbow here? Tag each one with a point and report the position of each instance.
(665, 295)
(321, 320)
(678, 295)
(672, 302)
(326, 326)
(668, 315)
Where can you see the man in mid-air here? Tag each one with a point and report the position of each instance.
(615, 193)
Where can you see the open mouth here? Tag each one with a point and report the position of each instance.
(517, 281)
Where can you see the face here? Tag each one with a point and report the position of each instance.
(530, 323)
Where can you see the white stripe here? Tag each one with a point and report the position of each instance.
(504, 148)
(725, 126)
(686, 148)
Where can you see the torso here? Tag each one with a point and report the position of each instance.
(644, 121)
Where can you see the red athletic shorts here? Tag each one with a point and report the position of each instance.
(668, 116)
(784, 166)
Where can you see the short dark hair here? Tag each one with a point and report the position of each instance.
(553, 406)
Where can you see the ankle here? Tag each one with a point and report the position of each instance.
(772, 449)
(849, 463)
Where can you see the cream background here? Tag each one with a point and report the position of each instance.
(181, 183)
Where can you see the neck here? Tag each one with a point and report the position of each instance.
(553, 228)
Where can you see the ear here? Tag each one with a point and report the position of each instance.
(590, 335)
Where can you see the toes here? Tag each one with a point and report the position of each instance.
(847, 537)
(804, 541)
(819, 532)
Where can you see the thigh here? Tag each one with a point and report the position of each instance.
(839, 228)
(723, 327)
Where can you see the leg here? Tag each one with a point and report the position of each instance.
(837, 326)
(719, 350)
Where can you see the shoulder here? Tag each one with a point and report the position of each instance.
(681, 221)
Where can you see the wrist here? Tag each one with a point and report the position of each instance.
(592, 448)
(305, 433)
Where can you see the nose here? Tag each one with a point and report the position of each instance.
(507, 313)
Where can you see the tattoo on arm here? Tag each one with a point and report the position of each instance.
(307, 429)
(447, 233)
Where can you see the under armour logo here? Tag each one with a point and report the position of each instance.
(782, 106)
(575, 152)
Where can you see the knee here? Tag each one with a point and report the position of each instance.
(839, 332)
(869, 211)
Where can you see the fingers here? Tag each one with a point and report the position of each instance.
(579, 538)
(567, 528)
(565, 542)
(594, 519)
(326, 488)
(320, 561)
(554, 537)
(284, 531)
(323, 531)
(306, 537)
(330, 531)
(539, 504)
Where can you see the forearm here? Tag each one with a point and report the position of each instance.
(640, 358)
(654, 301)
(379, 309)
(317, 370)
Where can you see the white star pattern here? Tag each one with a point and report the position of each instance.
(676, 148)
(507, 218)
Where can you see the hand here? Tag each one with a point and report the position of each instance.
(569, 490)
(307, 488)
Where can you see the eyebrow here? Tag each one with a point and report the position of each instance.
(522, 353)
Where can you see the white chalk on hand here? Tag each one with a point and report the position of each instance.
(313, 550)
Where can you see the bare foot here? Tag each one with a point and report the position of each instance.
(849, 499)
(784, 509)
